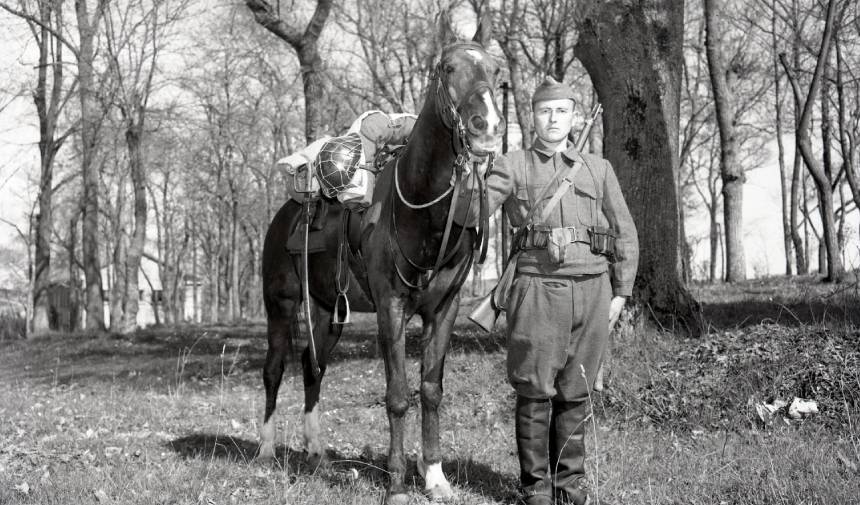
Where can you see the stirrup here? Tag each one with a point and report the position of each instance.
(347, 318)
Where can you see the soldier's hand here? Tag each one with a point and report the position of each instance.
(615, 307)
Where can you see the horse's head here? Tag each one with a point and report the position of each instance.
(465, 83)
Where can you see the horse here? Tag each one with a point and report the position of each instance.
(411, 260)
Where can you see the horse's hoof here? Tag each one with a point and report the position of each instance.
(315, 460)
(440, 493)
(397, 499)
(437, 488)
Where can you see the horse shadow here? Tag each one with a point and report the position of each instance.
(338, 468)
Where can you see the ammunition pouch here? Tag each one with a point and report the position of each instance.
(602, 241)
(533, 236)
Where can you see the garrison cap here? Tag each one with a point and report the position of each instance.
(550, 89)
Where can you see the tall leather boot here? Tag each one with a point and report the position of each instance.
(567, 452)
(532, 430)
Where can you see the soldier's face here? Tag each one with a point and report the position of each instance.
(553, 119)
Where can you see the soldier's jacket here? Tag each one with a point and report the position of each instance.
(595, 199)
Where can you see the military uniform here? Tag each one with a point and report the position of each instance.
(558, 307)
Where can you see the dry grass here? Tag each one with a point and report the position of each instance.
(170, 417)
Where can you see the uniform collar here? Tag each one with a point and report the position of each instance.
(570, 153)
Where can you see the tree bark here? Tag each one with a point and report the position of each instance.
(304, 43)
(835, 270)
(87, 29)
(134, 130)
(731, 172)
(633, 52)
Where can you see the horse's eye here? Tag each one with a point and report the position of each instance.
(449, 69)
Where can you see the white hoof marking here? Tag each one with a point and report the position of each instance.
(436, 485)
(267, 439)
(312, 433)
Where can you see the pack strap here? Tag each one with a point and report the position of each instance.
(563, 187)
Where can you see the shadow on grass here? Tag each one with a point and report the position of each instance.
(470, 475)
(192, 355)
(746, 313)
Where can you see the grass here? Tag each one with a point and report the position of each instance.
(170, 416)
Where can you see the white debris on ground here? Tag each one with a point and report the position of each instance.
(799, 408)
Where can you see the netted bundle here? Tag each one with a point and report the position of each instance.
(337, 162)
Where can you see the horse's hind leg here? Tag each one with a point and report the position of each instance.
(436, 338)
(281, 330)
(326, 336)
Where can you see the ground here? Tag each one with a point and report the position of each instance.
(170, 416)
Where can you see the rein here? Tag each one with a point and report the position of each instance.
(453, 121)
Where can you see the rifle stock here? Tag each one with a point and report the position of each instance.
(487, 311)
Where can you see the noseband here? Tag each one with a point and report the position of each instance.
(448, 111)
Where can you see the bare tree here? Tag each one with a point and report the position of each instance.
(823, 183)
(50, 98)
(730, 170)
(304, 43)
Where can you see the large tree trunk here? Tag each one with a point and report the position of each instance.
(835, 270)
(304, 43)
(89, 123)
(633, 52)
(731, 171)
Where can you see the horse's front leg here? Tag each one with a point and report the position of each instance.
(392, 339)
(436, 337)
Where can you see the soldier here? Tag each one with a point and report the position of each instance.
(570, 286)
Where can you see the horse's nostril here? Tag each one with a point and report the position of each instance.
(478, 123)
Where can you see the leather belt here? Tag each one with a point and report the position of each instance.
(537, 236)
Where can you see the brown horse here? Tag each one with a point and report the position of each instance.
(410, 260)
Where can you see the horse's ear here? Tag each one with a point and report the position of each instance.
(484, 32)
(445, 30)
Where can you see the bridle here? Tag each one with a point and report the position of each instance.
(447, 110)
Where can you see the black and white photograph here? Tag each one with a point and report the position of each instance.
(407, 252)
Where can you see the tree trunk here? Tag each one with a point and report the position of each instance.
(847, 142)
(89, 124)
(50, 56)
(731, 171)
(304, 43)
(633, 53)
(134, 130)
(797, 187)
(835, 270)
(117, 286)
(784, 181)
(714, 237)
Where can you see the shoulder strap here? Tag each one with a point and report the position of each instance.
(563, 186)
(563, 171)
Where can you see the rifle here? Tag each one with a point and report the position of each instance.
(488, 309)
